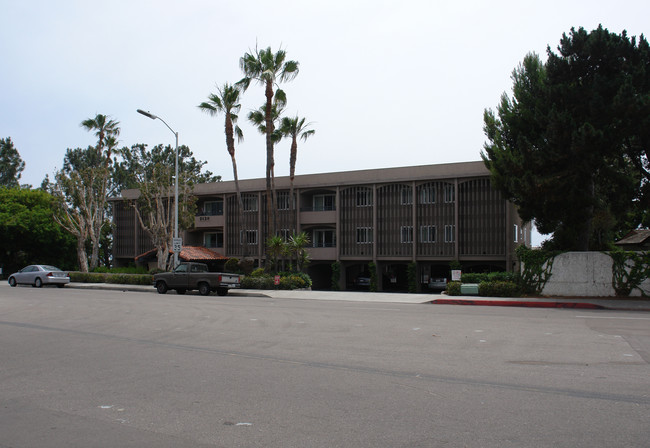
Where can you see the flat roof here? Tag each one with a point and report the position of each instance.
(358, 177)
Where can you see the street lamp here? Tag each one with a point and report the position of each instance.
(177, 243)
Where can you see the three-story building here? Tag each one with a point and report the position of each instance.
(428, 215)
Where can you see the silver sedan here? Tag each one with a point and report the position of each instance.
(38, 275)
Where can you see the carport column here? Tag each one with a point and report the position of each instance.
(416, 236)
(375, 232)
(337, 207)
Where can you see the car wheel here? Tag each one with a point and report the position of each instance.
(161, 287)
(204, 289)
(38, 282)
(180, 291)
(12, 282)
(222, 291)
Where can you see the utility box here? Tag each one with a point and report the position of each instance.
(469, 289)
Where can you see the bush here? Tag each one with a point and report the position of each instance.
(130, 279)
(259, 272)
(261, 282)
(499, 289)
(120, 279)
(232, 266)
(453, 288)
(472, 277)
(294, 280)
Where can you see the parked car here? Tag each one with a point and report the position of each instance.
(189, 276)
(438, 283)
(38, 275)
(362, 280)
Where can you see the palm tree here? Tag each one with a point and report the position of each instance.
(275, 247)
(295, 128)
(226, 101)
(297, 244)
(268, 69)
(106, 131)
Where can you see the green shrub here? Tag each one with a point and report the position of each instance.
(261, 282)
(472, 277)
(502, 277)
(453, 288)
(259, 272)
(336, 276)
(130, 279)
(88, 277)
(232, 265)
(499, 289)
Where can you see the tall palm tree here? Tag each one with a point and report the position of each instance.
(296, 128)
(268, 69)
(106, 131)
(226, 101)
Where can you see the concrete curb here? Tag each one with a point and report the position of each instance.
(356, 296)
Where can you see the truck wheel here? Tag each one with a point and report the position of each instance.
(180, 291)
(204, 289)
(161, 287)
(222, 291)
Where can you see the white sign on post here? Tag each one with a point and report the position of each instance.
(455, 275)
(177, 244)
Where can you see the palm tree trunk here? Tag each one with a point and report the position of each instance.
(270, 188)
(292, 175)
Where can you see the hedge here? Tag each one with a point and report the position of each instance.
(120, 279)
(499, 289)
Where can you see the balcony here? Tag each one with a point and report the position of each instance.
(322, 253)
(310, 215)
(209, 221)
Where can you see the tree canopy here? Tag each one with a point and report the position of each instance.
(28, 234)
(571, 147)
(11, 165)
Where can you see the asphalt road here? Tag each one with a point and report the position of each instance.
(82, 368)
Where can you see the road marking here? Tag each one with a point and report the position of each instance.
(614, 317)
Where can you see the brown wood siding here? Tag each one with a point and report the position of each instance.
(482, 219)
(392, 217)
(437, 213)
(354, 217)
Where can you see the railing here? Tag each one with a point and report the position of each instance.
(326, 208)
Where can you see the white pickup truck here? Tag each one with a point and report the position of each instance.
(195, 276)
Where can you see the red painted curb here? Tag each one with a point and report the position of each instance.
(517, 303)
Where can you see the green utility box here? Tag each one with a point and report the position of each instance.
(469, 289)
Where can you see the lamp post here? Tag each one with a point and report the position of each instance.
(176, 242)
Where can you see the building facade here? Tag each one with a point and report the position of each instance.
(429, 215)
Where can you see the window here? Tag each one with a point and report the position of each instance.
(406, 196)
(324, 202)
(427, 195)
(516, 234)
(213, 208)
(283, 200)
(364, 235)
(213, 239)
(450, 230)
(450, 193)
(406, 234)
(285, 234)
(249, 237)
(324, 238)
(364, 198)
(427, 234)
(250, 203)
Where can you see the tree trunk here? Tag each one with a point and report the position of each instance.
(81, 253)
(292, 174)
(270, 200)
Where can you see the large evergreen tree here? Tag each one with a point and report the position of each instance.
(11, 165)
(570, 148)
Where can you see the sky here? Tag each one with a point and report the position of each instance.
(383, 83)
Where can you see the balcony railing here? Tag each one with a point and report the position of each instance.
(325, 208)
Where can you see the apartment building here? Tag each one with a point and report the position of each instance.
(391, 217)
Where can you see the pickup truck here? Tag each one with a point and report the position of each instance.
(191, 276)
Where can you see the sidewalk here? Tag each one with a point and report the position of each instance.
(631, 304)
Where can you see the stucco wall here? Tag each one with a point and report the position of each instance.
(586, 274)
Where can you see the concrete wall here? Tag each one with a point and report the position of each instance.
(586, 274)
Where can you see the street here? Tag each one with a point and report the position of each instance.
(93, 368)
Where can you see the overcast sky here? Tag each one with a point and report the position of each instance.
(385, 83)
